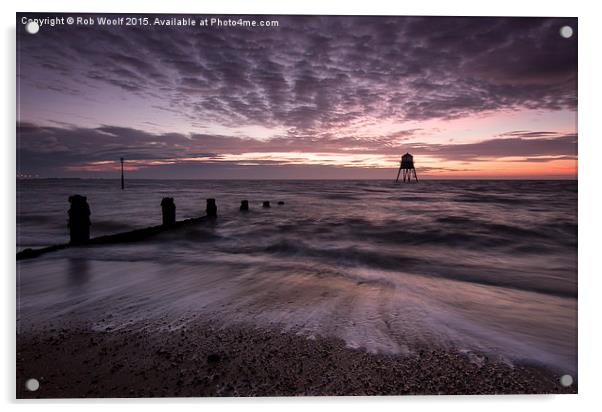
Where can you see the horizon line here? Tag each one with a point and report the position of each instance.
(293, 179)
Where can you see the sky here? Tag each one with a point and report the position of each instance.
(315, 97)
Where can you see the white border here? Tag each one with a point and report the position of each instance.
(590, 136)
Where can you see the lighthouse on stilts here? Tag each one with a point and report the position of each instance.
(407, 166)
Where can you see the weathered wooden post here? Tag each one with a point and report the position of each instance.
(266, 203)
(79, 220)
(168, 209)
(244, 205)
(211, 208)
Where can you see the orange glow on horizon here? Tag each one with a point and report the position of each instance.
(429, 166)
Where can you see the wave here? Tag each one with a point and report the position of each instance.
(490, 198)
(546, 281)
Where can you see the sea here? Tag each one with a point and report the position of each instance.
(484, 267)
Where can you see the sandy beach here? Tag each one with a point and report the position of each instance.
(205, 360)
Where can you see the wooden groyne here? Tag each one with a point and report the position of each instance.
(79, 227)
(136, 235)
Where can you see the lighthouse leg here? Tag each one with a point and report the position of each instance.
(415, 177)
(397, 180)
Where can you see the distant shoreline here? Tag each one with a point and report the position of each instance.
(304, 180)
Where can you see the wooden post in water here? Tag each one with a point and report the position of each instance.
(79, 220)
(244, 205)
(266, 203)
(211, 208)
(168, 209)
(122, 179)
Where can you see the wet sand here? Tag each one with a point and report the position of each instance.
(204, 360)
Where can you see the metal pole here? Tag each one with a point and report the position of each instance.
(122, 180)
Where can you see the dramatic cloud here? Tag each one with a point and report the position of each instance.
(499, 148)
(363, 86)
